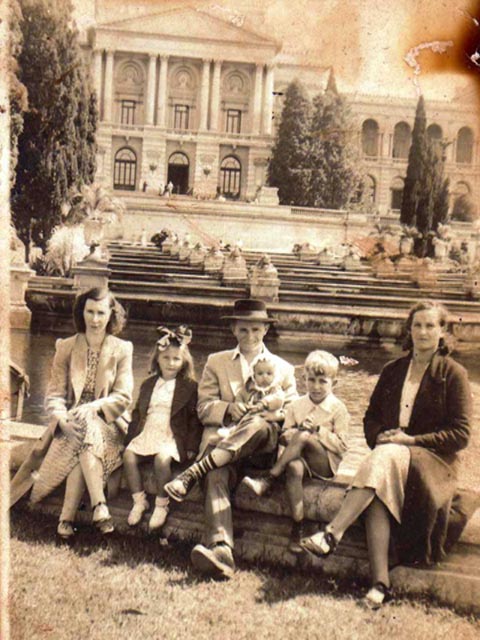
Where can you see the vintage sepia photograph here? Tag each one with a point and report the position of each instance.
(240, 298)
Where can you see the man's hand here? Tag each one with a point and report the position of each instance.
(71, 430)
(395, 436)
(84, 412)
(237, 410)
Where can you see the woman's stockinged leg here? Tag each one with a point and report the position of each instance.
(74, 490)
(377, 526)
(354, 504)
(92, 468)
(132, 472)
(294, 488)
(163, 472)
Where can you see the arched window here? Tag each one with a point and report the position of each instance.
(370, 188)
(370, 138)
(465, 146)
(125, 169)
(397, 194)
(434, 132)
(178, 172)
(402, 137)
(230, 176)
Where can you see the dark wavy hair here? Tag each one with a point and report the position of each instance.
(118, 317)
(444, 346)
(187, 371)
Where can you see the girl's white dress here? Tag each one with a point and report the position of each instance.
(385, 469)
(157, 435)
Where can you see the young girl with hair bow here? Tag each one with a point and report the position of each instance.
(164, 425)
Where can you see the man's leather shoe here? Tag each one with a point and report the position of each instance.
(216, 561)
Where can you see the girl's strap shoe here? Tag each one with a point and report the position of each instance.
(65, 530)
(102, 519)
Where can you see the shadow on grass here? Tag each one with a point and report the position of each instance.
(127, 550)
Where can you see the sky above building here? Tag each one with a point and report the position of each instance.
(366, 41)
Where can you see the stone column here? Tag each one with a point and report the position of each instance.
(268, 103)
(257, 100)
(162, 91)
(152, 68)
(108, 97)
(215, 97)
(204, 91)
(97, 79)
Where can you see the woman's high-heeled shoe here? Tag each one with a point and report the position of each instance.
(377, 596)
(321, 544)
(65, 530)
(102, 519)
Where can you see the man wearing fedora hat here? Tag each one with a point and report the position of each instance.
(255, 439)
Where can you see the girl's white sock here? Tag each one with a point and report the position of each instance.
(162, 501)
(139, 496)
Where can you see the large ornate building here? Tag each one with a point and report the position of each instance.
(188, 98)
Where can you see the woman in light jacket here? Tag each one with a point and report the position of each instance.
(418, 419)
(88, 394)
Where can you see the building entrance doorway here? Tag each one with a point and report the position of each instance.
(178, 172)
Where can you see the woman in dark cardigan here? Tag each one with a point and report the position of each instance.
(418, 419)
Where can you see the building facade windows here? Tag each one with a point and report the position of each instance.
(402, 137)
(230, 177)
(396, 194)
(370, 138)
(181, 116)
(234, 121)
(125, 169)
(464, 154)
(127, 113)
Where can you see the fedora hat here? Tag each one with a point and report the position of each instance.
(251, 310)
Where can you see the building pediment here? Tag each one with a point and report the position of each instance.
(190, 24)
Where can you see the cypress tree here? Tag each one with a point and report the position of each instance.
(56, 145)
(289, 163)
(17, 92)
(416, 162)
(334, 166)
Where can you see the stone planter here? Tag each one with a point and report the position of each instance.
(93, 230)
(197, 256)
(175, 248)
(234, 269)
(406, 246)
(392, 329)
(308, 254)
(20, 314)
(327, 258)
(213, 262)
(352, 263)
(167, 246)
(90, 273)
(383, 268)
(184, 252)
(264, 281)
(424, 274)
(441, 249)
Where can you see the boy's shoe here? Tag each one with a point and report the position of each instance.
(140, 505)
(296, 534)
(215, 561)
(159, 515)
(178, 488)
(259, 486)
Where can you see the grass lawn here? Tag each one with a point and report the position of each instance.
(131, 589)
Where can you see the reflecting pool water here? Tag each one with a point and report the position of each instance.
(34, 352)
